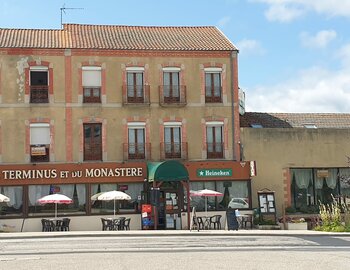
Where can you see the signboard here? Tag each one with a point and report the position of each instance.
(123, 187)
(214, 172)
(38, 151)
(322, 173)
(50, 173)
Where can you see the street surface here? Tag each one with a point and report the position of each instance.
(177, 252)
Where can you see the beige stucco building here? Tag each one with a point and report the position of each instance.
(87, 108)
(302, 157)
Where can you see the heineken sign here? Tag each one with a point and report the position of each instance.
(214, 172)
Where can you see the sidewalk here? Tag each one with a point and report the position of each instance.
(165, 233)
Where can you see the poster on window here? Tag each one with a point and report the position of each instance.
(38, 151)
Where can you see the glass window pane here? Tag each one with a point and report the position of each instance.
(176, 131)
(208, 85)
(207, 79)
(87, 132)
(166, 78)
(344, 178)
(302, 188)
(102, 207)
(167, 135)
(140, 135)
(134, 191)
(236, 194)
(96, 92)
(175, 78)
(77, 192)
(218, 134)
(216, 78)
(199, 202)
(132, 140)
(87, 92)
(15, 206)
(130, 78)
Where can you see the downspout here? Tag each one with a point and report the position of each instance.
(232, 56)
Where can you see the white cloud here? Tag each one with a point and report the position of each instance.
(283, 13)
(312, 90)
(250, 46)
(344, 55)
(287, 10)
(320, 40)
(224, 21)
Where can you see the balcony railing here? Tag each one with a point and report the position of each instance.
(39, 94)
(92, 95)
(213, 94)
(173, 150)
(134, 151)
(136, 94)
(172, 95)
(215, 150)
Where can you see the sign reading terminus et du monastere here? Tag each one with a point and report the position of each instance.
(83, 173)
(214, 172)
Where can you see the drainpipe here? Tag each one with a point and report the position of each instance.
(232, 56)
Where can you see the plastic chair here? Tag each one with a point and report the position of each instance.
(65, 224)
(107, 224)
(247, 220)
(47, 225)
(200, 223)
(215, 221)
(127, 224)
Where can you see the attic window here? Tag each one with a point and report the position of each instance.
(310, 126)
(256, 125)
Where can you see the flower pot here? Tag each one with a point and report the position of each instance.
(297, 226)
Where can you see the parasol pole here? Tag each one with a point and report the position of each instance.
(114, 209)
(56, 210)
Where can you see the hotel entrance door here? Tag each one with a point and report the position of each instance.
(170, 205)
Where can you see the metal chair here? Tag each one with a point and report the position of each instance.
(215, 222)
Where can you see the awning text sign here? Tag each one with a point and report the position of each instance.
(214, 172)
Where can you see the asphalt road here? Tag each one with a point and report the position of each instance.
(177, 252)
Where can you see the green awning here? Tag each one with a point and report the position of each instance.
(166, 171)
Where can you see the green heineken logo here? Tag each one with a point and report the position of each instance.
(214, 172)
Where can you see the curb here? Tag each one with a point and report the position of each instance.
(37, 235)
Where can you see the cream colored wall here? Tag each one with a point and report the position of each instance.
(80, 223)
(275, 149)
(14, 112)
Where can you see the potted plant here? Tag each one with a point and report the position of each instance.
(296, 224)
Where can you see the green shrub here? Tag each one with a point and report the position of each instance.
(290, 210)
(331, 218)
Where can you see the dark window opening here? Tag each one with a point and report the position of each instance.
(92, 141)
(39, 88)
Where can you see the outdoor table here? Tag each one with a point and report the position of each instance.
(206, 222)
(116, 222)
(57, 223)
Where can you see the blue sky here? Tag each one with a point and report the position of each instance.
(294, 54)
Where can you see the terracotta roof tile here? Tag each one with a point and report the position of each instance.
(296, 120)
(179, 38)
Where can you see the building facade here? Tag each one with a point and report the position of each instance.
(93, 108)
(302, 157)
